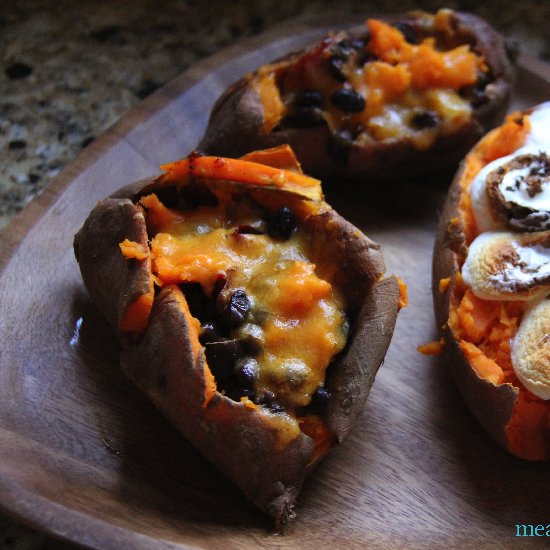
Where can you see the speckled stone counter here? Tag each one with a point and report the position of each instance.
(70, 69)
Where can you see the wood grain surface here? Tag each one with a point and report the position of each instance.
(85, 457)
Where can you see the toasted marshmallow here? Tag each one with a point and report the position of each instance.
(509, 266)
(514, 191)
(518, 192)
(530, 350)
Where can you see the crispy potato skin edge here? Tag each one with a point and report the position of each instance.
(492, 405)
(160, 361)
(237, 117)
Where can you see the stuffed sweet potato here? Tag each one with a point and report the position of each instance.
(400, 96)
(491, 282)
(250, 313)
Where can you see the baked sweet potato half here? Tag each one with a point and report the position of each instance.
(491, 282)
(401, 96)
(249, 312)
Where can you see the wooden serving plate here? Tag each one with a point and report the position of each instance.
(86, 458)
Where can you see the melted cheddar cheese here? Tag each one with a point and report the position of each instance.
(296, 318)
(379, 87)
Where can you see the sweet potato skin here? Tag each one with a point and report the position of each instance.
(237, 117)
(161, 361)
(97, 250)
(227, 433)
(492, 405)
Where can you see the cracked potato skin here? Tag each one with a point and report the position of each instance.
(236, 120)
(164, 364)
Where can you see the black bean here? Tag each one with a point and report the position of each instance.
(476, 94)
(347, 47)
(340, 145)
(233, 307)
(425, 119)
(348, 100)
(267, 399)
(246, 372)
(221, 357)
(346, 44)
(308, 118)
(239, 307)
(18, 70)
(309, 98)
(211, 332)
(336, 68)
(408, 32)
(282, 224)
(361, 52)
(341, 51)
(321, 398)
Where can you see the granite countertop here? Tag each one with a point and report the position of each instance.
(70, 69)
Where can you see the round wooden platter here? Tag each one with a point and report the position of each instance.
(86, 458)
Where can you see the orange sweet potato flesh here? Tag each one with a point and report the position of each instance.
(428, 68)
(167, 362)
(477, 332)
(243, 118)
